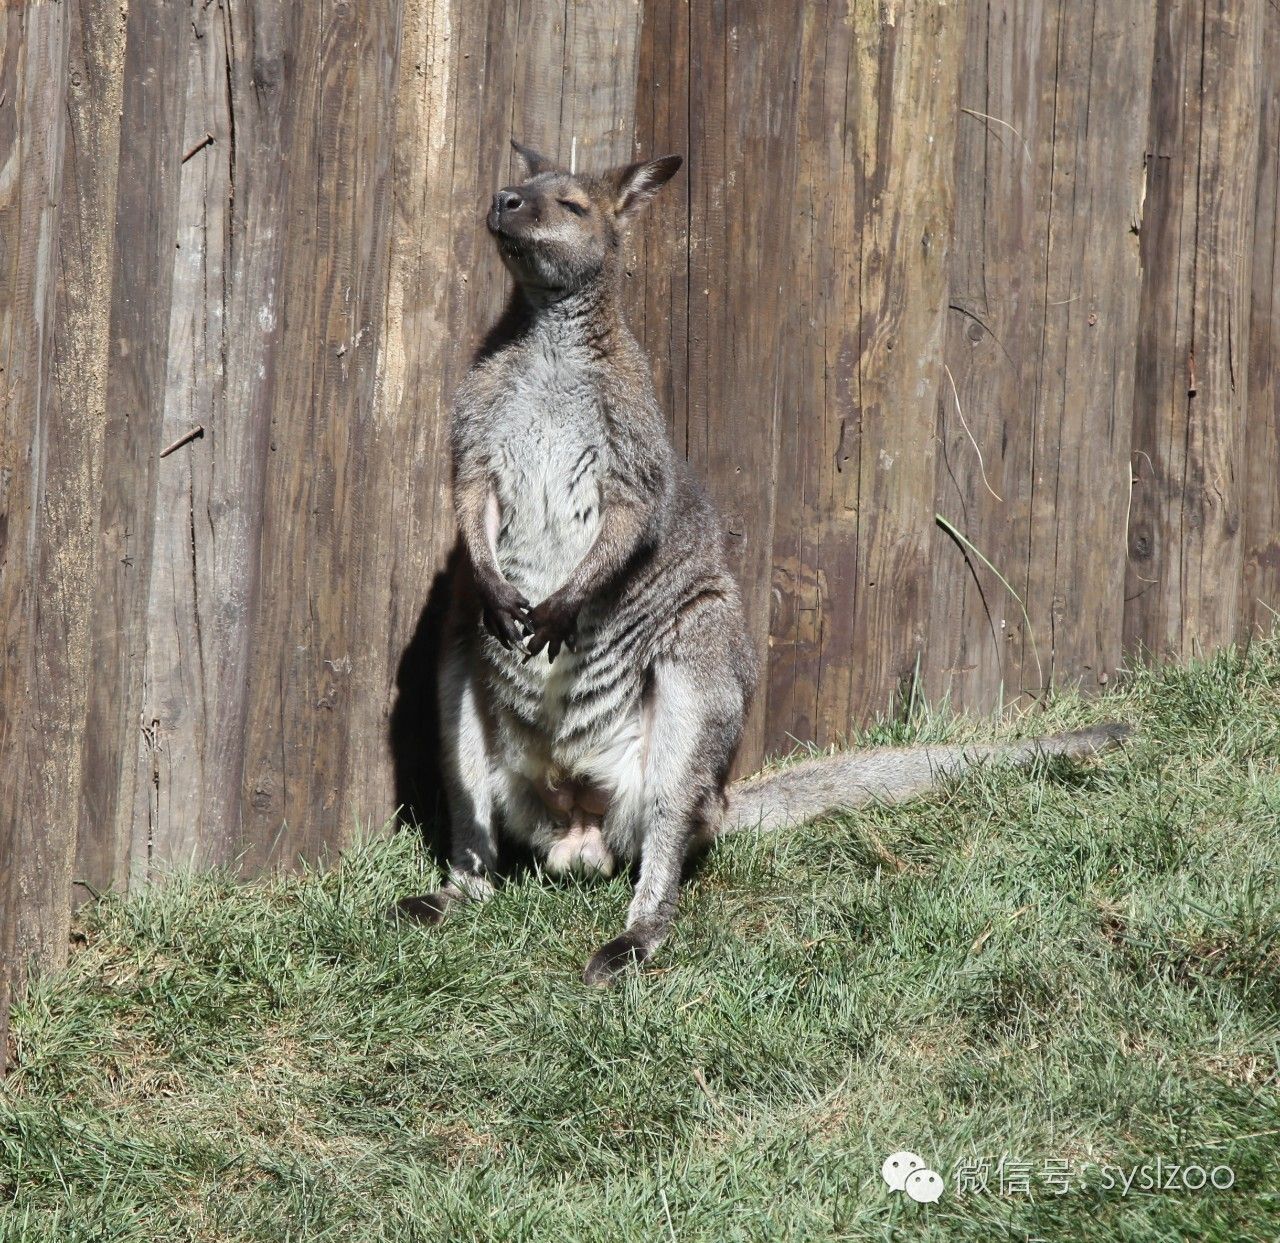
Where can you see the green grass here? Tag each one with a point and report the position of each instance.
(1079, 964)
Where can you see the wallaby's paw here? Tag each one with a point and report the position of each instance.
(610, 960)
(505, 611)
(552, 623)
(424, 908)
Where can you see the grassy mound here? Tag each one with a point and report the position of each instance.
(1075, 971)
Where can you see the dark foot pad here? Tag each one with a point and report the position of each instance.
(615, 957)
(422, 908)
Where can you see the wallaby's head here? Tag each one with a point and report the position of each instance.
(557, 231)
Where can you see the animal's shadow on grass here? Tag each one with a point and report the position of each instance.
(414, 728)
(414, 735)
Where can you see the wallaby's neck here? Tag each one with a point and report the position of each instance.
(588, 318)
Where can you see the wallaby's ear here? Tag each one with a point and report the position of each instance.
(636, 184)
(534, 162)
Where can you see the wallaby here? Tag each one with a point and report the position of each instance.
(596, 667)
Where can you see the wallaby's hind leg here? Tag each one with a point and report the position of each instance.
(470, 787)
(693, 723)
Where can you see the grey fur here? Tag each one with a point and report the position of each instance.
(829, 783)
(596, 668)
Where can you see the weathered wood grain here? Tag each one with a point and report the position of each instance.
(223, 342)
(658, 267)
(1191, 392)
(69, 535)
(341, 71)
(171, 823)
(997, 300)
(1034, 463)
(141, 291)
(597, 114)
(812, 535)
(561, 102)
(906, 170)
(1080, 434)
(38, 578)
(865, 314)
(432, 202)
(743, 67)
(1260, 582)
(254, 126)
(1080, 466)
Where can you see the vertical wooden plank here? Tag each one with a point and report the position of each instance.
(78, 408)
(906, 131)
(1033, 465)
(223, 344)
(1216, 474)
(597, 118)
(980, 651)
(489, 115)
(425, 341)
(35, 852)
(743, 64)
(1084, 384)
(1260, 585)
(658, 297)
(142, 265)
(1186, 547)
(561, 102)
(316, 495)
(246, 175)
(178, 695)
(866, 313)
(815, 389)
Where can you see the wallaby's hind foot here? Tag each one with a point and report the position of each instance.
(614, 957)
(431, 908)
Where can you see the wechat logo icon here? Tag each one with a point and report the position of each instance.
(906, 1171)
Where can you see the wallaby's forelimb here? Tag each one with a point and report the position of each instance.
(506, 610)
(552, 622)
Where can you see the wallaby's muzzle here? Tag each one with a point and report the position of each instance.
(508, 206)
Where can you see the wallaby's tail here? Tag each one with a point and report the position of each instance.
(888, 774)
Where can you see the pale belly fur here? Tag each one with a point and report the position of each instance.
(544, 518)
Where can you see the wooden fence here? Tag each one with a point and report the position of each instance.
(966, 311)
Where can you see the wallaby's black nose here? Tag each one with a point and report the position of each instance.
(506, 200)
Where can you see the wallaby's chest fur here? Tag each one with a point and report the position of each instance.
(548, 451)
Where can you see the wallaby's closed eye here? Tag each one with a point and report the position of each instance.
(597, 668)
